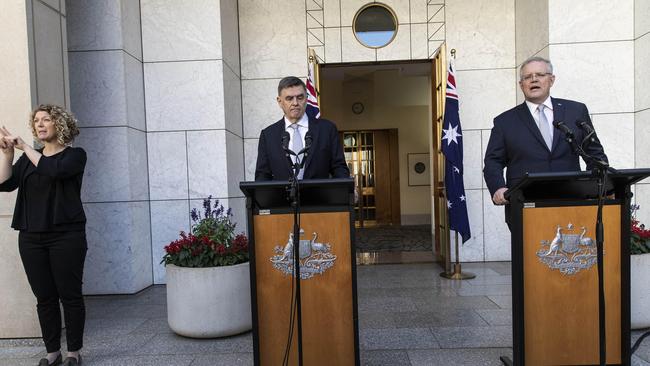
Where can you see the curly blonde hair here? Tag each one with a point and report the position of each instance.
(64, 122)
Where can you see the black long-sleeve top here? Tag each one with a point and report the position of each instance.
(49, 195)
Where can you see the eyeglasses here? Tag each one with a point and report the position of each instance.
(537, 75)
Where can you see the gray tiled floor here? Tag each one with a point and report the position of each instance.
(409, 315)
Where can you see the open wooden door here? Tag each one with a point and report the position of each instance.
(440, 221)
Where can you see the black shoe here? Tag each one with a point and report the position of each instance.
(43, 361)
(71, 361)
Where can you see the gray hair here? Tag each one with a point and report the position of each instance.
(290, 81)
(548, 63)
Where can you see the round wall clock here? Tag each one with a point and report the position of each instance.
(357, 108)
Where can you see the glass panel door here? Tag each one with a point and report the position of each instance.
(359, 150)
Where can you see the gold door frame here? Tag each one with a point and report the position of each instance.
(440, 222)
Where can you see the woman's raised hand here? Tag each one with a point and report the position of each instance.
(10, 140)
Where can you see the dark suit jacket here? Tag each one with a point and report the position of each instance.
(67, 169)
(325, 159)
(517, 144)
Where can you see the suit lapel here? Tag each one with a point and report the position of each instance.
(529, 122)
(558, 115)
(314, 142)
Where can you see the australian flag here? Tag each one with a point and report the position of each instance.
(452, 148)
(313, 111)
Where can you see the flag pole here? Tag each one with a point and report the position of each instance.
(458, 273)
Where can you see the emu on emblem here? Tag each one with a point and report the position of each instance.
(315, 258)
(568, 251)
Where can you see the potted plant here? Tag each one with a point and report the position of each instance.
(639, 273)
(208, 278)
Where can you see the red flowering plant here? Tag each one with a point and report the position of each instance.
(212, 241)
(639, 235)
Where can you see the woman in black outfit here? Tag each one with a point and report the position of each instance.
(51, 220)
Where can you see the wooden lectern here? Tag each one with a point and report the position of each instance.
(330, 333)
(552, 218)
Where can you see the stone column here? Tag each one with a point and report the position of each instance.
(34, 70)
(107, 94)
(642, 102)
(193, 106)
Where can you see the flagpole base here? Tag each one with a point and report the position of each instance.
(458, 274)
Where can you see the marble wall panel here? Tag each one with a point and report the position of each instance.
(485, 40)
(119, 248)
(584, 70)
(230, 34)
(96, 25)
(66, 70)
(642, 134)
(18, 314)
(98, 90)
(399, 48)
(184, 95)
(495, 231)
(52, 3)
(134, 91)
(168, 219)
(50, 86)
(207, 165)
(484, 94)
(616, 133)
(105, 177)
(181, 30)
(641, 74)
(473, 249)
(235, 161)
(260, 106)
(332, 45)
(131, 29)
(419, 42)
(332, 13)
(349, 9)
(587, 21)
(167, 155)
(352, 50)
(531, 24)
(232, 101)
(250, 157)
(137, 159)
(472, 159)
(7, 203)
(272, 49)
(419, 11)
(641, 18)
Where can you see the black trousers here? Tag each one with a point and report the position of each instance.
(54, 264)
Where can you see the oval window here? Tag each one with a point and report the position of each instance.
(375, 25)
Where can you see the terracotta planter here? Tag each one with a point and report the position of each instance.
(209, 302)
(640, 291)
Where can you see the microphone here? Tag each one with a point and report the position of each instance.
(568, 133)
(308, 141)
(590, 131)
(285, 143)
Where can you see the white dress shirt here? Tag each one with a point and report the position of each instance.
(548, 111)
(303, 127)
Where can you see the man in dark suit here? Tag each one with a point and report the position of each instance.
(325, 158)
(524, 139)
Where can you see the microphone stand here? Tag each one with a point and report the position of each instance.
(601, 170)
(294, 198)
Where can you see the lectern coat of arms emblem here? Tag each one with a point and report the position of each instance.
(315, 258)
(568, 251)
